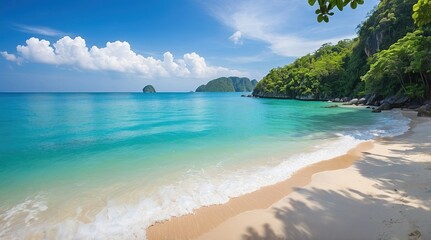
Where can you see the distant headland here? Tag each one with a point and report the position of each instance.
(228, 84)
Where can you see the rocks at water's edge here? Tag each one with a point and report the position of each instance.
(384, 104)
(396, 102)
(425, 110)
(362, 101)
(331, 106)
(149, 89)
(354, 101)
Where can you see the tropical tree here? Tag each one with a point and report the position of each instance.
(422, 12)
(404, 68)
(326, 7)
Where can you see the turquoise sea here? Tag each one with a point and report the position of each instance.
(108, 165)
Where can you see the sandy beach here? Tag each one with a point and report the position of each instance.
(379, 190)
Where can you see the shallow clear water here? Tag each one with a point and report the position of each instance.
(76, 165)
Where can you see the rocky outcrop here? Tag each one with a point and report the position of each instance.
(385, 106)
(354, 101)
(396, 102)
(331, 106)
(362, 101)
(149, 89)
(424, 111)
(388, 103)
(374, 100)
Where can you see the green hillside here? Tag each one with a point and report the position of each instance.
(228, 84)
(390, 56)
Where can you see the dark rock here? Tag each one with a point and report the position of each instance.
(401, 101)
(425, 111)
(384, 106)
(390, 100)
(414, 106)
(149, 89)
(331, 106)
(243, 95)
(376, 110)
(249, 95)
(369, 107)
(396, 102)
(345, 99)
(371, 100)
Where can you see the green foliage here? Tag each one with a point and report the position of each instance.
(230, 84)
(422, 12)
(315, 75)
(390, 21)
(326, 7)
(404, 68)
(415, 91)
(391, 55)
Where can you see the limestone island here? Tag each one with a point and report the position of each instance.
(149, 89)
(228, 84)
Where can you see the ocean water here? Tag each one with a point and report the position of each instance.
(108, 165)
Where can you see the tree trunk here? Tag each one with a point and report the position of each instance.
(400, 77)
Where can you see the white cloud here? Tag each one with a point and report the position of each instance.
(289, 28)
(45, 31)
(236, 38)
(10, 57)
(115, 56)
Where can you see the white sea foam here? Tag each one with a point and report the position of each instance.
(197, 188)
(14, 221)
(389, 124)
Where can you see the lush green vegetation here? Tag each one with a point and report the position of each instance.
(403, 69)
(390, 56)
(315, 75)
(422, 12)
(228, 84)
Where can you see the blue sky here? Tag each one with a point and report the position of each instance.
(174, 45)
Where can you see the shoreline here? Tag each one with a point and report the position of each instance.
(215, 221)
(206, 218)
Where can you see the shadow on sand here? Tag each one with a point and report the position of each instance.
(352, 214)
